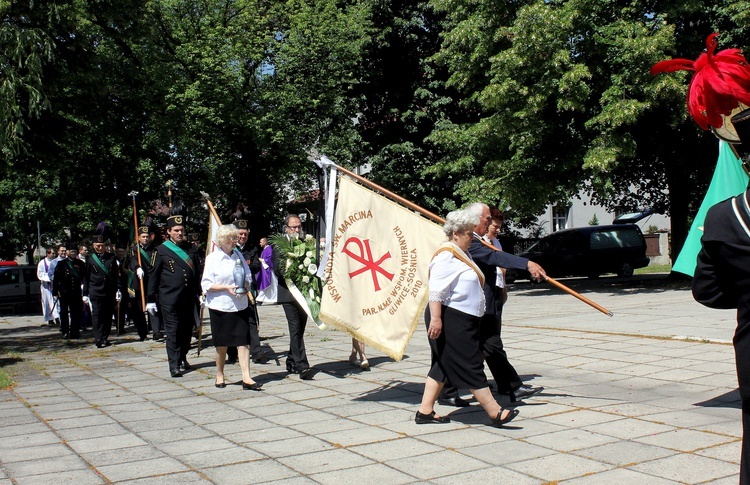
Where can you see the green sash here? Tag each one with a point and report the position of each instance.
(73, 268)
(180, 253)
(101, 265)
(145, 256)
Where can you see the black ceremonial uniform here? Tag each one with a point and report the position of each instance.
(101, 285)
(250, 255)
(722, 280)
(175, 285)
(66, 285)
(147, 255)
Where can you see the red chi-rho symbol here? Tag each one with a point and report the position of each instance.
(364, 256)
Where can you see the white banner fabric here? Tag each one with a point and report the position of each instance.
(375, 285)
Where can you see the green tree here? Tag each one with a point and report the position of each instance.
(564, 101)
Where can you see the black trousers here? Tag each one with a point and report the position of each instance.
(102, 309)
(71, 324)
(296, 319)
(742, 360)
(502, 371)
(178, 321)
(139, 317)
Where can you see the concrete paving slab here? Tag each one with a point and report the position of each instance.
(627, 399)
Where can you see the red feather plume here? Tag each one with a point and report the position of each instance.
(721, 81)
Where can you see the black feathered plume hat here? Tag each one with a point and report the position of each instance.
(178, 214)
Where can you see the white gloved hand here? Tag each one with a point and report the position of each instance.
(202, 300)
(151, 308)
(86, 300)
(118, 296)
(139, 273)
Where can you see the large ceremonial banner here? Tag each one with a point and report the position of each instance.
(375, 283)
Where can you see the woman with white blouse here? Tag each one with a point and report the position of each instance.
(456, 304)
(230, 311)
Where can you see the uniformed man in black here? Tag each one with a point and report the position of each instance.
(250, 253)
(722, 278)
(175, 283)
(66, 286)
(144, 251)
(101, 286)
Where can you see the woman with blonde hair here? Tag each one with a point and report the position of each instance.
(456, 305)
(229, 310)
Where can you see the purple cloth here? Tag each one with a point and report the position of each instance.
(263, 277)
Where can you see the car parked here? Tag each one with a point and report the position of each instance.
(589, 251)
(19, 286)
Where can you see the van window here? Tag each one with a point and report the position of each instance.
(615, 238)
(9, 277)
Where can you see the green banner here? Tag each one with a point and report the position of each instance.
(729, 180)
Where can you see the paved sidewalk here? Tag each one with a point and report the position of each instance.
(647, 396)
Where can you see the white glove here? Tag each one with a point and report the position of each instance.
(86, 300)
(118, 296)
(263, 263)
(151, 308)
(139, 273)
(202, 300)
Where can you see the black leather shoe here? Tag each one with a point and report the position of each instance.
(524, 391)
(255, 386)
(231, 361)
(291, 368)
(306, 374)
(457, 402)
(221, 385)
(184, 365)
(498, 421)
(430, 418)
(175, 372)
(262, 357)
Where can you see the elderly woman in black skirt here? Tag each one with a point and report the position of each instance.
(230, 311)
(456, 304)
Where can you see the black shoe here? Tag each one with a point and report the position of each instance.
(291, 368)
(175, 372)
(524, 391)
(66, 336)
(184, 365)
(255, 386)
(497, 421)
(231, 361)
(430, 418)
(221, 385)
(99, 345)
(457, 401)
(306, 374)
(262, 357)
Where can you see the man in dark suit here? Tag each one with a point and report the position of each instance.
(101, 286)
(296, 318)
(66, 285)
(250, 254)
(175, 283)
(488, 260)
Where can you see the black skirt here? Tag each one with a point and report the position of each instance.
(459, 360)
(230, 329)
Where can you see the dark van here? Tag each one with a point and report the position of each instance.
(19, 286)
(590, 251)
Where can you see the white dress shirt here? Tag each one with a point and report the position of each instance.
(219, 270)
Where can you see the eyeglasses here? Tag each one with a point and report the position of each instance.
(295, 227)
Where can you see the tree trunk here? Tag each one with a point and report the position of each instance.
(678, 184)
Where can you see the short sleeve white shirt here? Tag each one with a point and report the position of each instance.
(455, 284)
(219, 269)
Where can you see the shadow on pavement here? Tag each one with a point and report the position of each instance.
(730, 399)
